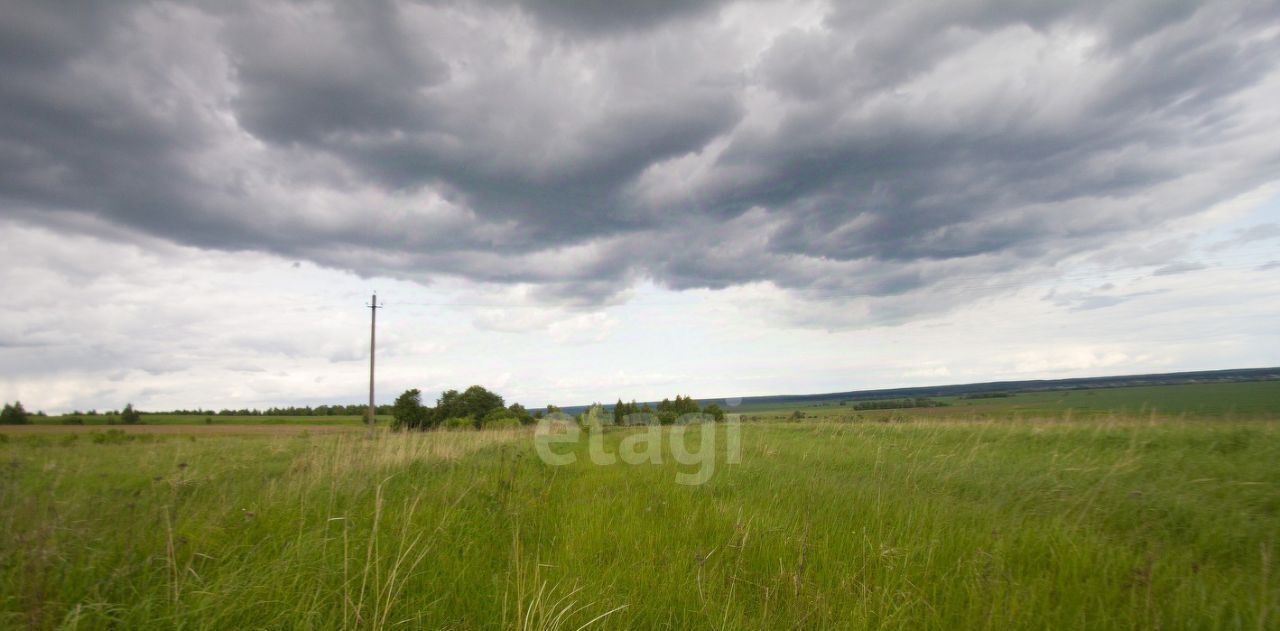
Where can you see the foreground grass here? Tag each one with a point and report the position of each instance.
(924, 524)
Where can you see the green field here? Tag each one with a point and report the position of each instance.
(921, 524)
(1243, 400)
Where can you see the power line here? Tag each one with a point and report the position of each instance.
(373, 347)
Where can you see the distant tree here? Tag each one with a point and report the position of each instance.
(594, 416)
(667, 411)
(520, 413)
(619, 411)
(553, 409)
(130, 416)
(480, 401)
(686, 405)
(715, 411)
(14, 414)
(449, 405)
(474, 402)
(408, 411)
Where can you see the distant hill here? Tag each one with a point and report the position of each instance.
(1033, 385)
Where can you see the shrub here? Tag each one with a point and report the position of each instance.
(459, 422)
(72, 420)
(497, 416)
(504, 422)
(110, 437)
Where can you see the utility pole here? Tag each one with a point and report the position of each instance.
(373, 347)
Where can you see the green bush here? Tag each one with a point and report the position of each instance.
(110, 437)
(502, 422)
(499, 417)
(459, 422)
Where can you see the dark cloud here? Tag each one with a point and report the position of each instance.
(612, 16)
(889, 151)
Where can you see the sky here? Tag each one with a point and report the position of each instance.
(571, 201)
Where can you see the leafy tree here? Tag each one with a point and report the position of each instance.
(449, 405)
(408, 410)
(715, 411)
(619, 411)
(130, 416)
(474, 402)
(14, 414)
(480, 401)
(520, 413)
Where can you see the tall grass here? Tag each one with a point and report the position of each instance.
(933, 524)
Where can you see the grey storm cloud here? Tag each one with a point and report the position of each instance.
(880, 149)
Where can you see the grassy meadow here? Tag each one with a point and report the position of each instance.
(931, 523)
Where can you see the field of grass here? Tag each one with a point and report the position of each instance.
(1243, 400)
(922, 524)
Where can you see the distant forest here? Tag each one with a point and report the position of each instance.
(355, 409)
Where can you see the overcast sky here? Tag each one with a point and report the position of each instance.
(578, 200)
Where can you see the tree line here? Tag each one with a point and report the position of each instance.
(16, 414)
(667, 410)
(478, 407)
(898, 404)
(474, 407)
(354, 409)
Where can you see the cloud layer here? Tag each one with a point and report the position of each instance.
(888, 153)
